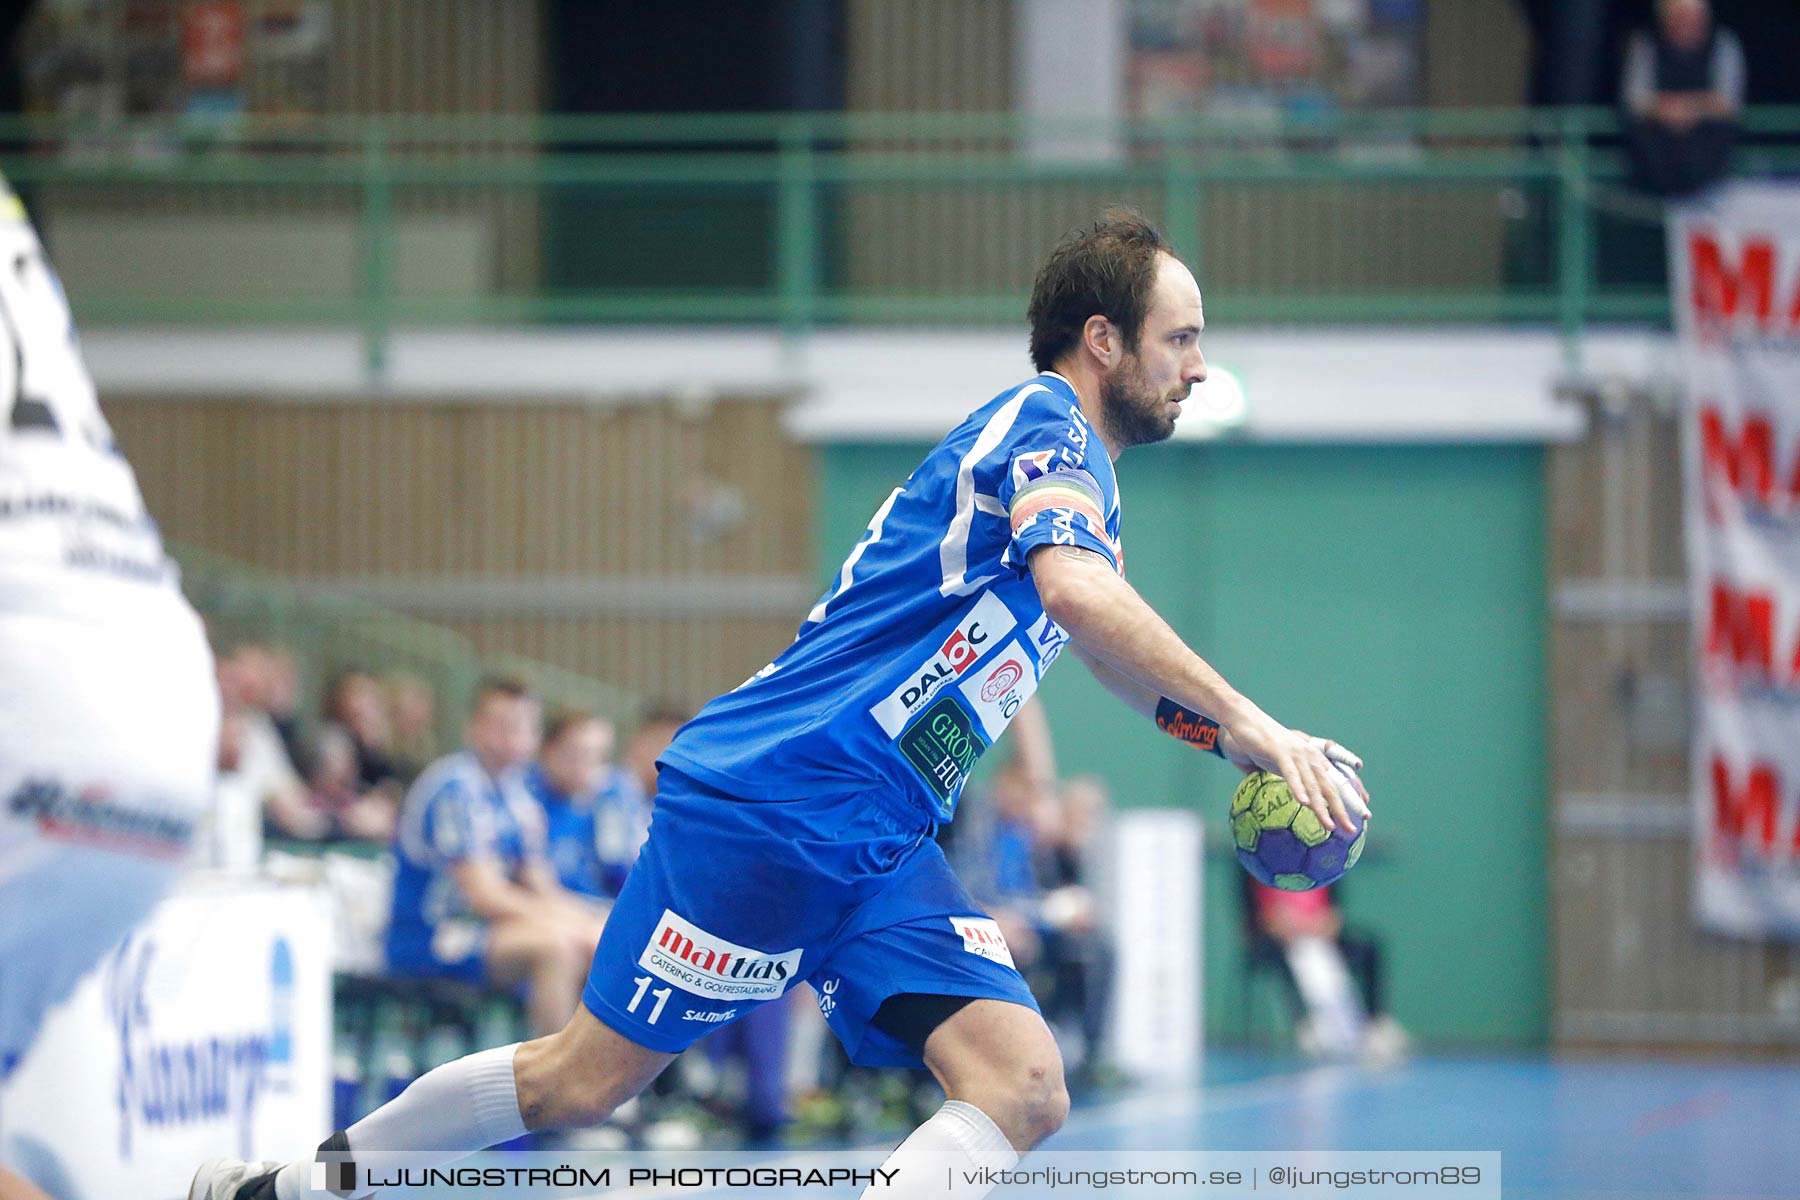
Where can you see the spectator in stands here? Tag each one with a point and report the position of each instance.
(626, 792)
(647, 742)
(1682, 91)
(566, 780)
(1301, 935)
(412, 707)
(257, 788)
(1006, 876)
(355, 702)
(759, 1038)
(271, 684)
(1081, 848)
(1078, 879)
(1025, 855)
(229, 835)
(475, 896)
(622, 806)
(356, 813)
(997, 839)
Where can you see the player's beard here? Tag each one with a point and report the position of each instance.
(1136, 413)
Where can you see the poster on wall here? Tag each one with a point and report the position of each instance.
(1735, 263)
(1270, 58)
(212, 58)
(207, 59)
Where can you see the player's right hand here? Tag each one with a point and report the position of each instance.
(1349, 782)
(1320, 773)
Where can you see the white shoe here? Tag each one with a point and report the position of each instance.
(1385, 1043)
(1308, 1039)
(234, 1179)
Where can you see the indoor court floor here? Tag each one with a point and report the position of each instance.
(1566, 1127)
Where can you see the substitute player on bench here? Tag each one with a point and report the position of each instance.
(794, 817)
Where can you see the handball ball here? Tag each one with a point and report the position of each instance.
(1282, 844)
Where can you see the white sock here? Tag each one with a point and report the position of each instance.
(959, 1137)
(448, 1112)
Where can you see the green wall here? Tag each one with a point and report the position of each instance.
(1391, 597)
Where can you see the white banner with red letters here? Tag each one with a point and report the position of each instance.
(1735, 266)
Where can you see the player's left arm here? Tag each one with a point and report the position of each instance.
(1057, 499)
(1196, 729)
(1184, 725)
(1148, 665)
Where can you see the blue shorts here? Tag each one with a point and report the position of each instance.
(733, 901)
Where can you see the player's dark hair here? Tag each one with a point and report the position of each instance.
(564, 720)
(664, 712)
(1105, 270)
(500, 685)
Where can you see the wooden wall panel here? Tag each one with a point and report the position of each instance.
(929, 55)
(1640, 954)
(336, 489)
(666, 548)
(1630, 964)
(1289, 239)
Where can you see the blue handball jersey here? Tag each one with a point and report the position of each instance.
(932, 635)
(455, 812)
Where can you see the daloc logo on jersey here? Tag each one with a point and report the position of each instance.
(977, 631)
(962, 648)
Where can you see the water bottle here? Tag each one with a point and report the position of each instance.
(444, 1043)
(390, 1066)
(496, 1025)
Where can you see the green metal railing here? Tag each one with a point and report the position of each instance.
(329, 632)
(798, 220)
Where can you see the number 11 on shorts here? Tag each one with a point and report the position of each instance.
(637, 998)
